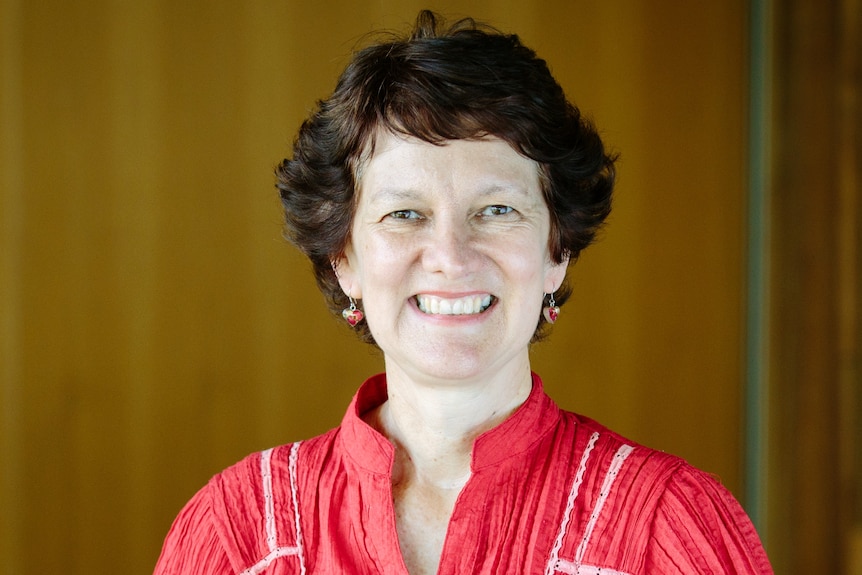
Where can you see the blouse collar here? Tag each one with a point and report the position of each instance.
(518, 434)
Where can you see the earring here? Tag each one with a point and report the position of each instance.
(552, 310)
(352, 315)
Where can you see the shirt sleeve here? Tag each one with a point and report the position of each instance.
(700, 528)
(192, 546)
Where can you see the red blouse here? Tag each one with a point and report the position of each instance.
(551, 492)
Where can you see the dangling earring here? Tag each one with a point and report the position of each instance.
(352, 315)
(552, 310)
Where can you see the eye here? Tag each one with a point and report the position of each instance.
(496, 210)
(404, 215)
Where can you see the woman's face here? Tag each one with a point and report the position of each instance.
(449, 254)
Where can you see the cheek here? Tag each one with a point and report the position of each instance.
(382, 254)
(383, 265)
(531, 263)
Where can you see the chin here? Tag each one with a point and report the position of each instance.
(451, 364)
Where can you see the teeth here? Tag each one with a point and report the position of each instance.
(460, 306)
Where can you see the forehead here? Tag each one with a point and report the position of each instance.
(401, 163)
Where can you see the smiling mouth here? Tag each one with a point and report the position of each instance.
(468, 305)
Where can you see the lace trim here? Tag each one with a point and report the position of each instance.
(269, 515)
(570, 505)
(614, 469)
(573, 569)
(576, 567)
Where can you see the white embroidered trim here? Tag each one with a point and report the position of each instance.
(614, 469)
(269, 515)
(270, 558)
(268, 504)
(294, 452)
(557, 565)
(572, 569)
(570, 505)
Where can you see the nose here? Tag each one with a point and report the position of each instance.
(450, 249)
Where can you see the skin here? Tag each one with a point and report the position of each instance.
(464, 224)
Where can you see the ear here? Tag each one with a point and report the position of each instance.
(555, 274)
(347, 272)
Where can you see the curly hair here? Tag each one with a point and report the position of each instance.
(442, 83)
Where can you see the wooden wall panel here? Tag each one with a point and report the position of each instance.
(155, 326)
(815, 463)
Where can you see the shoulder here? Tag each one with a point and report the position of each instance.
(192, 546)
(627, 478)
(637, 461)
(241, 493)
(678, 514)
(231, 523)
(653, 479)
(241, 485)
(223, 523)
(603, 450)
(699, 523)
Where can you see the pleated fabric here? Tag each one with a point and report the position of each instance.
(550, 493)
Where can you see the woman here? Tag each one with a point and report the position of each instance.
(441, 193)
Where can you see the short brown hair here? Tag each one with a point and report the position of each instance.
(437, 84)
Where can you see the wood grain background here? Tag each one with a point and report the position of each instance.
(155, 327)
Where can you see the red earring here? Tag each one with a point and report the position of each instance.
(552, 310)
(352, 315)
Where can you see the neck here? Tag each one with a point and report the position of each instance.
(433, 424)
